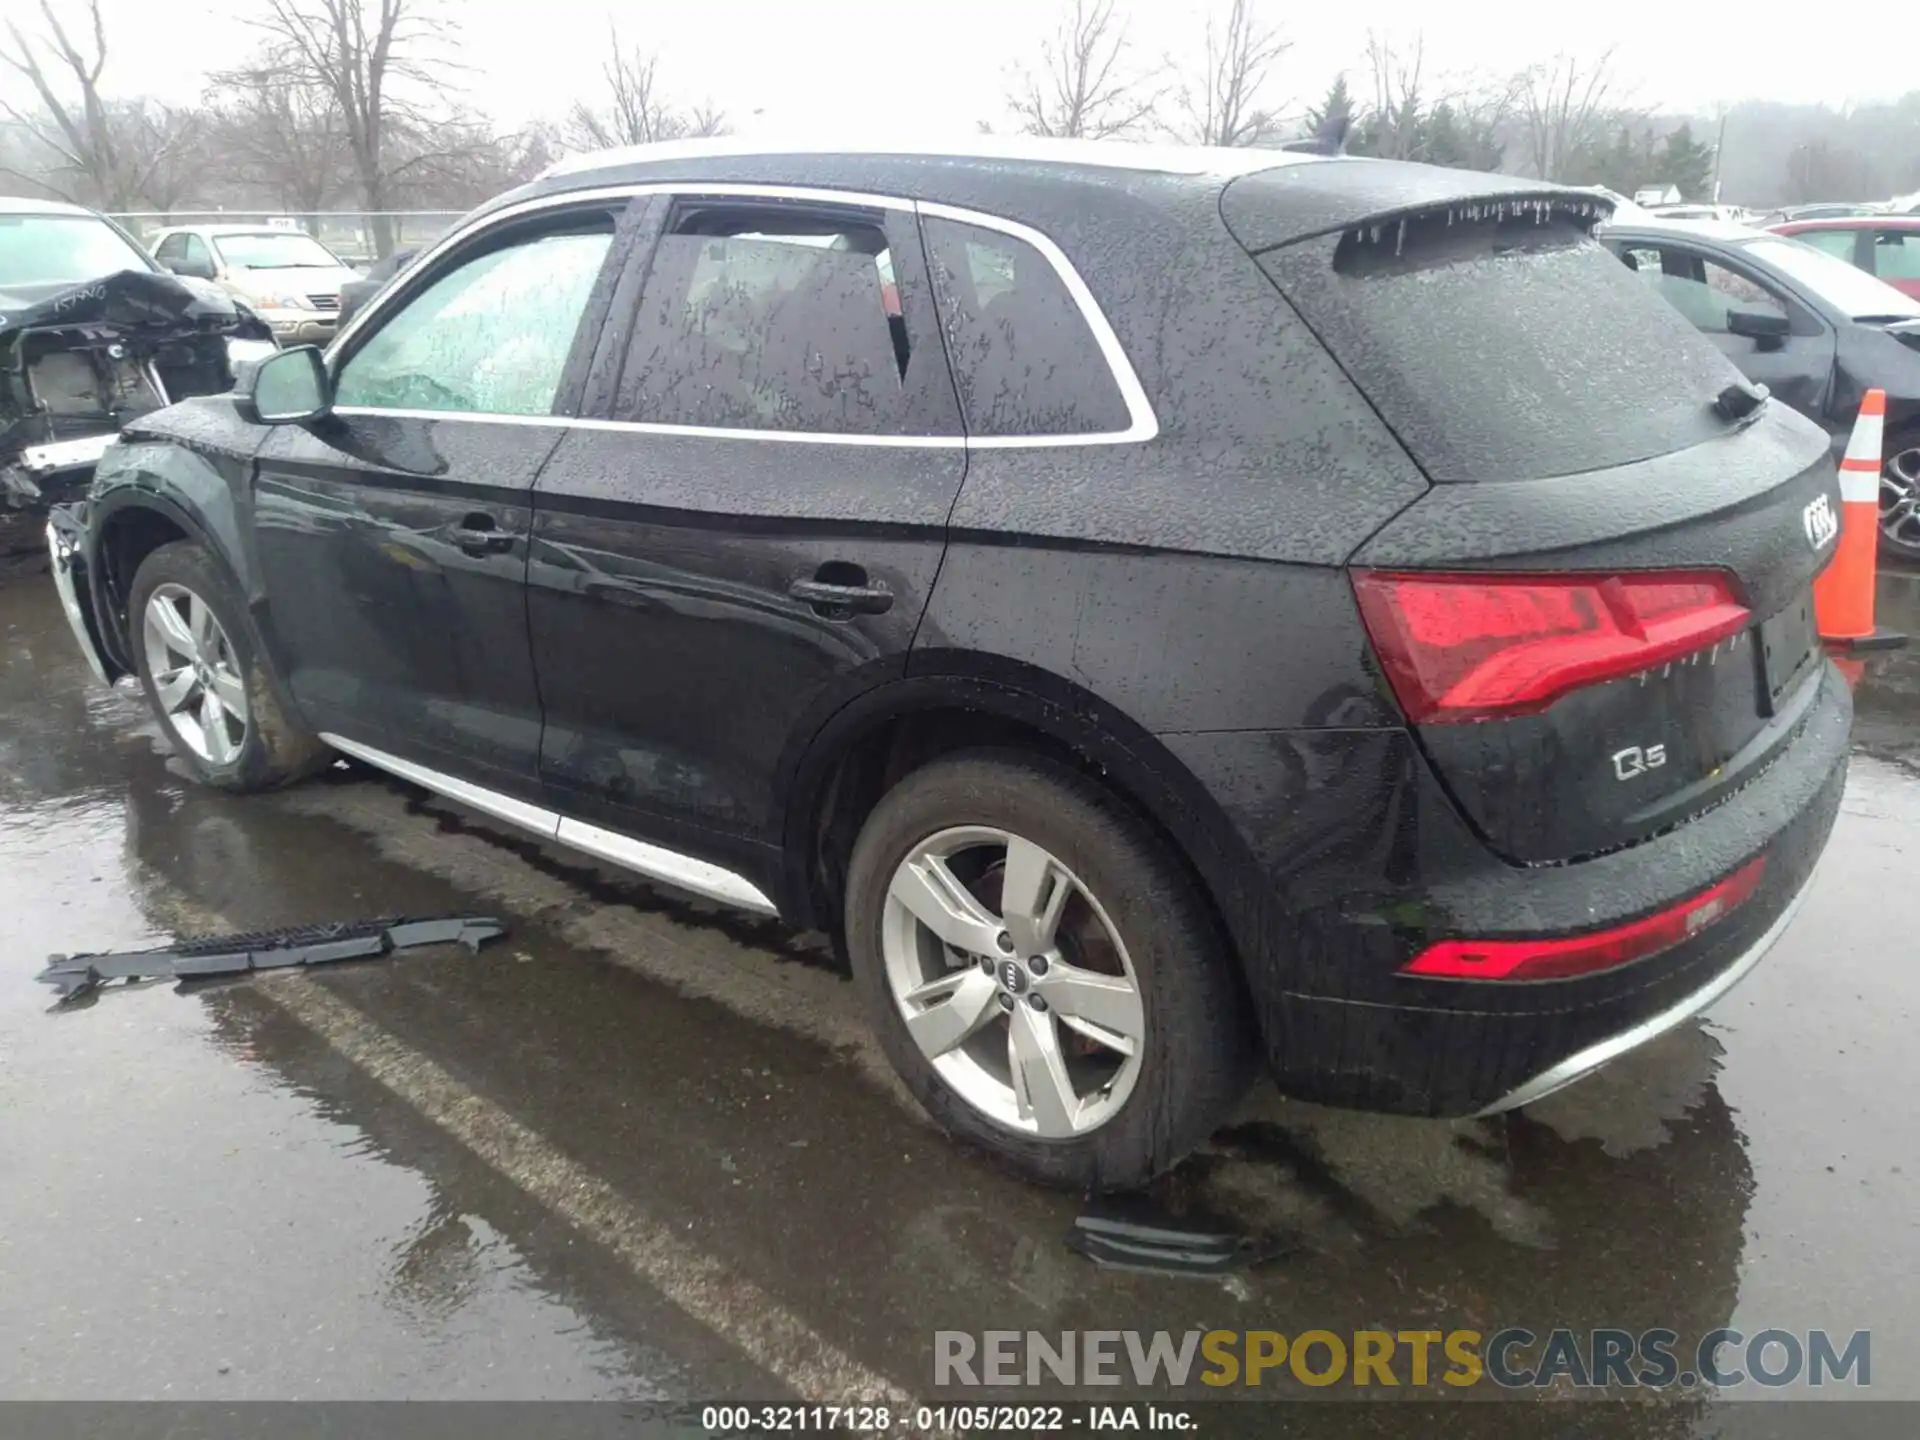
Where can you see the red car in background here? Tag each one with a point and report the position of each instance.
(1887, 246)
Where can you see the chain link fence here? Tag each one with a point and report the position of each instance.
(353, 235)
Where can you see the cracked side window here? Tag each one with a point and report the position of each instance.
(489, 337)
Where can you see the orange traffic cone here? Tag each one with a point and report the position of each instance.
(1843, 592)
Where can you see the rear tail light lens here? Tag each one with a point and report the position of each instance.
(1566, 956)
(1481, 646)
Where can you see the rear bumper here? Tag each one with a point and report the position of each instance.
(1584, 1062)
(1385, 867)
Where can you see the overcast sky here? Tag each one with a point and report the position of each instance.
(930, 67)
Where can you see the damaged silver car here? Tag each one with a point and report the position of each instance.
(93, 333)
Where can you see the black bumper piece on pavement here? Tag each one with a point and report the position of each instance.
(77, 976)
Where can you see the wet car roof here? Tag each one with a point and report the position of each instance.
(22, 205)
(1078, 154)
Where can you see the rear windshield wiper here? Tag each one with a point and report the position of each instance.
(1740, 402)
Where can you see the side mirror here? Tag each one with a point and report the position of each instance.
(286, 389)
(194, 269)
(1762, 324)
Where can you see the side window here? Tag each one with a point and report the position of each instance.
(1024, 358)
(770, 318)
(198, 255)
(490, 336)
(1701, 289)
(1838, 243)
(1896, 254)
(170, 249)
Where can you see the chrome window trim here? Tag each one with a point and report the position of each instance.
(683, 872)
(1142, 425)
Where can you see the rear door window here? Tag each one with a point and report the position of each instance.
(1025, 358)
(1505, 343)
(777, 319)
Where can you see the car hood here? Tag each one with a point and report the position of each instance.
(137, 301)
(300, 279)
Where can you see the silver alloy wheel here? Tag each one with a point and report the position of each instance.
(1013, 982)
(1900, 498)
(195, 678)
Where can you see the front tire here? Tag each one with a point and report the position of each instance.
(1041, 972)
(208, 679)
(1900, 496)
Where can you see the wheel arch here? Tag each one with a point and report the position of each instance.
(970, 702)
(129, 524)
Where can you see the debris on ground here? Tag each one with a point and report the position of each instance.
(1124, 1238)
(79, 976)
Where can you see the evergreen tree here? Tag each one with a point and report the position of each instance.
(1686, 163)
(1338, 105)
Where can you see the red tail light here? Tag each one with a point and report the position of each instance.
(1479, 646)
(1566, 956)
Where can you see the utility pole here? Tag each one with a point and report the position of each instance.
(1719, 148)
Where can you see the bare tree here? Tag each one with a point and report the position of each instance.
(1221, 106)
(286, 140)
(1565, 106)
(1085, 87)
(112, 153)
(635, 112)
(367, 58)
(1393, 127)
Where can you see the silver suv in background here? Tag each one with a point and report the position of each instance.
(287, 276)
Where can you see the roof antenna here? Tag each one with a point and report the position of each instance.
(1329, 139)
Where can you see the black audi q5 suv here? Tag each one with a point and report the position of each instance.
(1163, 612)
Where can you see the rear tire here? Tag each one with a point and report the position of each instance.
(1146, 1020)
(208, 679)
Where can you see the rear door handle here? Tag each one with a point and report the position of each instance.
(480, 534)
(829, 599)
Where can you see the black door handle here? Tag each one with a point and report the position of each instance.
(480, 534)
(831, 599)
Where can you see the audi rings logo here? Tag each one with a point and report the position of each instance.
(1820, 522)
(1012, 977)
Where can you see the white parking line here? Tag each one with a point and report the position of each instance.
(733, 1308)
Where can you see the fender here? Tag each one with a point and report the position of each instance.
(115, 495)
(1135, 762)
(193, 464)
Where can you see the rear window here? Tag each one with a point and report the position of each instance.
(1024, 359)
(1505, 348)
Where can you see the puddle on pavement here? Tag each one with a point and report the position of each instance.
(716, 1069)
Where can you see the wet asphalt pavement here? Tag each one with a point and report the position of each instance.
(642, 1149)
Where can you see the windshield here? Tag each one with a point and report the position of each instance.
(63, 250)
(1852, 292)
(275, 250)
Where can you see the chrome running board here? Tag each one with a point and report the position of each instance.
(683, 872)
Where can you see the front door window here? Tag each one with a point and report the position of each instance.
(490, 337)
